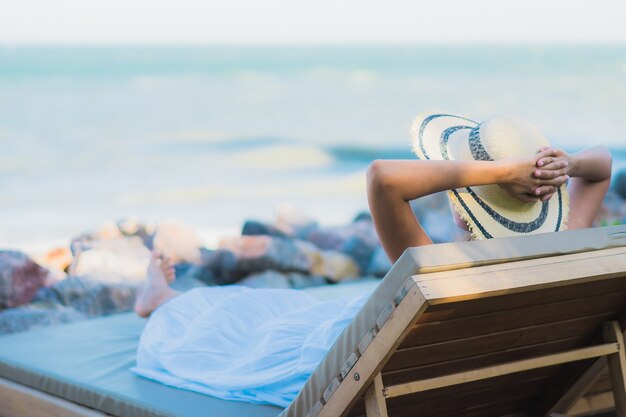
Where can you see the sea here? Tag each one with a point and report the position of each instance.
(215, 135)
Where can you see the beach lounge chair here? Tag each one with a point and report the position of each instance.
(517, 326)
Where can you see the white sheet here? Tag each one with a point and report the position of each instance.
(237, 343)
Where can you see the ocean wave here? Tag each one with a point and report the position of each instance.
(283, 157)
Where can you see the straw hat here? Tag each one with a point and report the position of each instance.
(489, 210)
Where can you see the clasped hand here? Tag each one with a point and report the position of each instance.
(537, 178)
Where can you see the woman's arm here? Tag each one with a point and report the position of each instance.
(391, 184)
(590, 173)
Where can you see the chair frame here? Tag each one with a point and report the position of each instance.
(364, 376)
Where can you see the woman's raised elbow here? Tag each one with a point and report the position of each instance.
(378, 175)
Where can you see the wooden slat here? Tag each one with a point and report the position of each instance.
(578, 389)
(474, 394)
(602, 384)
(376, 355)
(495, 342)
(526, 264)
(564, 383)
(434, 401)
(375, 402)
(462, 403)
(473, 362)
(508, 301)
(19, 401)
(503, 369)
(424, 334)
(617, 366)
(590, 405)
(522, 277)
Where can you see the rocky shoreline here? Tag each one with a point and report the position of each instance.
(99, 273)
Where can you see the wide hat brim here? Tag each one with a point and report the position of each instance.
(489, 210)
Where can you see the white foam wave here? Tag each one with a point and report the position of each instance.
(283, 157)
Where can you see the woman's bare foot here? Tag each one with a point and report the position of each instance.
(156, 290)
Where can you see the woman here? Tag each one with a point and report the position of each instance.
(458, 154)
(262, 345)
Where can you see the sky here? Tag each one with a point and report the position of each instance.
(159, 22)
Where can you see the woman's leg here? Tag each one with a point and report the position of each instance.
(156, 290)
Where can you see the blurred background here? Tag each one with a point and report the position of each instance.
(215, 112)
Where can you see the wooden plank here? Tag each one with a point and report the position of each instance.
(376, 355)
(17, 400)
(375, 402)
(593, 404)
(473, 362)
(602, 384)
(495, 342)
(617, 366)
(499, 370)
(481, 283)
(578, 389)
(493, 407)
(437, 401)
(468, 308)
(515, 265)
(563, 383)
(434, 332)
(474, 394)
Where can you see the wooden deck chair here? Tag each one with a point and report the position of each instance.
(521, 335)
(516, 326)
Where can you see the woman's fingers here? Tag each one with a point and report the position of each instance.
(546, 197)
(547, 154)
(545, 189)
(552, 163)
(547, 174)
(557, 182)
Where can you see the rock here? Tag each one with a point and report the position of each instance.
(20, 278)
(193, 272)
(275, 279)
(334, 265)
(90, 298)
(327, 238)
(260, 253)
(380, 264)
(267, 279)
(186, 283)
(217, 267)
(361, 249)
(119, 260)
(39, 314)
(619, 183)
(294, 222)
(359, 240)
(58, 259)
(109, 230)
(133, 227)
(178, 241)
(253, 228)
